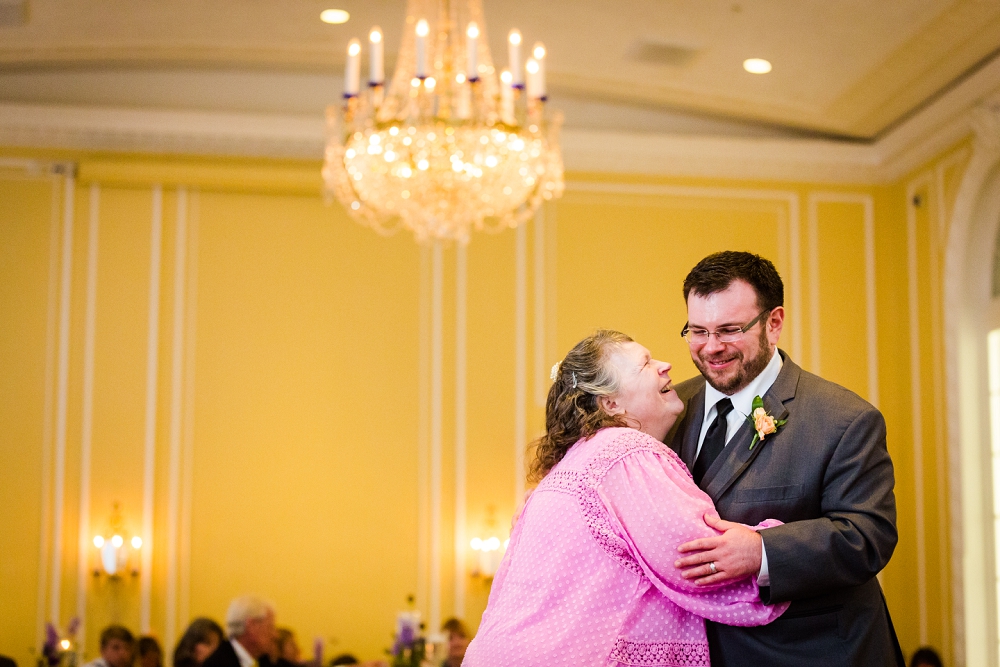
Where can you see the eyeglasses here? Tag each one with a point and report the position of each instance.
(723, 335)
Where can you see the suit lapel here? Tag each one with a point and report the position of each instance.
(695, 416)
(737, 457)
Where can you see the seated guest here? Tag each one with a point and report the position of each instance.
(250, 622)
(150, 653)
(344, 659)
(199, 641)
(285, 652)
(589, 577)
(286, 649)
(117, 645)
(458, 641)
(348, 659)
(7, 662)
(925, 657)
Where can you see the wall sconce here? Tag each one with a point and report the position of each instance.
(489, 555)
(115, 547)
(489, 550)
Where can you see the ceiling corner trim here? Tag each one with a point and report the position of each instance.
(934, 129)
(161, 131)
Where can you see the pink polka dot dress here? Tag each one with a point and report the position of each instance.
(589, 576)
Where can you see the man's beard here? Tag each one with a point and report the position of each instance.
(747, 371)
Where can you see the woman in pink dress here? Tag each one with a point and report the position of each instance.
(589, 576)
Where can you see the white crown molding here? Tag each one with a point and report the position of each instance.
(936, 127)
(725, 157)
(161, 131)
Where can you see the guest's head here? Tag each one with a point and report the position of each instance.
(925, 657)
(150, 653)
(250, 621)
(458, 641)
(735, 315)
(286, 647)
(199, 641)
(607, 379)
(117, 646)
(344, 659)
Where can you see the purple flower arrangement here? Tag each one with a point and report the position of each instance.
(408, 649)
(59, 650)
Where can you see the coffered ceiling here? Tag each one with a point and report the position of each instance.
(847, 68)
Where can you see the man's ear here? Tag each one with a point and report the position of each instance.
(775, 322)
(610, 405)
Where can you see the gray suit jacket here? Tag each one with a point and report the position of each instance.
(827, 475)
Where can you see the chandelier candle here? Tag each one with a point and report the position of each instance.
(507, 97)
(352, 73)
(539, 53)
(422, 30)
(446, 145)
(514, 58)
(535, 86)
(472, 53)
(377, 51)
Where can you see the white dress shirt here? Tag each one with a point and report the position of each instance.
(246, 660)
(742, 404)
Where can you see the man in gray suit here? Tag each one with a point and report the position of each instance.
(824, 472)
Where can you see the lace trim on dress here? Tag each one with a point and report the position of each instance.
(563, 481)
(583, 484)
(661, 654)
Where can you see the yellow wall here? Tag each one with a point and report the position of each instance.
(294, 458)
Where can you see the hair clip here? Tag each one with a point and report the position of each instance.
(555, 371)
(574, 379)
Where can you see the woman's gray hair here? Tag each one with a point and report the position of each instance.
(573, 409)
(243, 609)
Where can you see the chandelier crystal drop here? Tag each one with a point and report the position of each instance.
(450, 145)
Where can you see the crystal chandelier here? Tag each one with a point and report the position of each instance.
(448, 146)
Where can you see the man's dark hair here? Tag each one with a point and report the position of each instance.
(718, 271)
(116, 632)
(201, 631)
(925, 657)
(148, 644)
(455, 626)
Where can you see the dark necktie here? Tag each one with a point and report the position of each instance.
(715, 441)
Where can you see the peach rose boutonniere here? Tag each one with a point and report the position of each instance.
(763, 423)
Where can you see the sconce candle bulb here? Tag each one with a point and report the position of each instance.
(489, 554)
(113, 551)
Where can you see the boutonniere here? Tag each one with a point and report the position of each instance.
(762, 422)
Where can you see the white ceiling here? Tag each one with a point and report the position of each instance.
(849, 68)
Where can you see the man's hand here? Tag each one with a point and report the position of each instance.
(736, 554)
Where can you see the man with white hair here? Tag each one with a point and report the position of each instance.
(251, 629)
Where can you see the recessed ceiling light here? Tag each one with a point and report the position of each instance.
(334, 16)
(757, 66)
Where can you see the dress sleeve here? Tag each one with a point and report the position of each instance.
(655, 506)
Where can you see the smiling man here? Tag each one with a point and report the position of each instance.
(825, 472)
